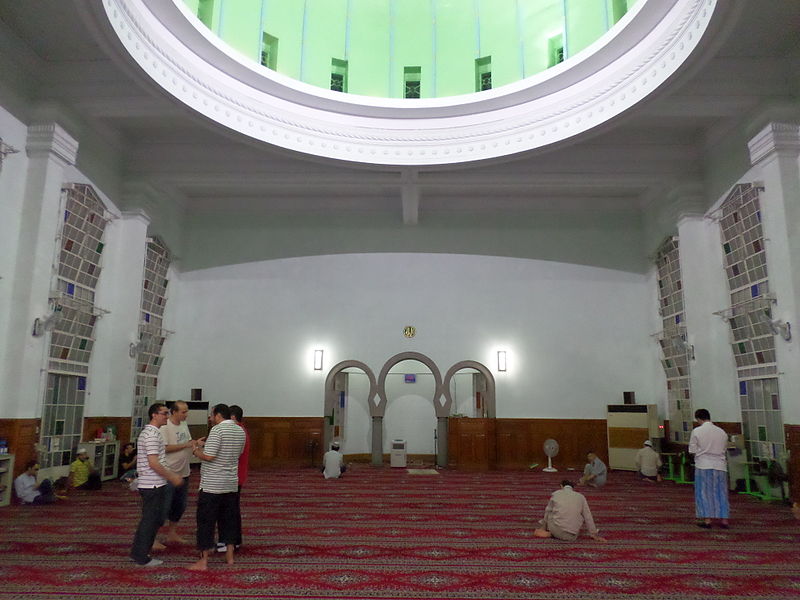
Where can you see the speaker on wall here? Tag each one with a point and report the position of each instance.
(629, 397)
(197, 394)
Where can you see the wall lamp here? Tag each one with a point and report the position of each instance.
(318, 360)
(501, 361)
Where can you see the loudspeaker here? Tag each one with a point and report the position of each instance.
(197, 395)
(629, 397)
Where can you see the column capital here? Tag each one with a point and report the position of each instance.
(687, 201)
(775, 138)
(51, 139)
(136, 214)
(141, 196)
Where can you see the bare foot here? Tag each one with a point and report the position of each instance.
(200, 565)
(158, 546)
(229, 554)
(175, 539)
(542, 533)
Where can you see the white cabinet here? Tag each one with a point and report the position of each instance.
(104, 457)
(6, 478)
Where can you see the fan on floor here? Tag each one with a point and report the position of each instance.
(550, 449)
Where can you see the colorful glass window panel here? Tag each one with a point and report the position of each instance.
(743, 388)
(81, 383)
(754, 290)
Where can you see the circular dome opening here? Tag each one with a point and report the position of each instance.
(602, 81)
(409, 49)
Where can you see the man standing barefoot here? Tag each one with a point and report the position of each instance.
(219, 485)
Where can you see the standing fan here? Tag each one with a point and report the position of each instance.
(550, 449)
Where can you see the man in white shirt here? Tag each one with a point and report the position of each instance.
(152, 485)
(709, 444)
(566, 513)
(333, 462)
(178, 446)
(648, 462)
(219, 487)
(28, 491)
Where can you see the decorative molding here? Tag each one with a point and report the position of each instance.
(775, 139)
(618, 71)
(51, 139)
(137, 214)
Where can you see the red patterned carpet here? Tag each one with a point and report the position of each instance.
(382, 533)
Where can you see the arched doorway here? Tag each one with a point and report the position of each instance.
(380, 408)
(477, 402)
(337, 387)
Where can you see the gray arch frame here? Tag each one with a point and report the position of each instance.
(330, 393)
(380, 408)
(491, 405)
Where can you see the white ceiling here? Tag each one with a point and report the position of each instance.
(54, 53)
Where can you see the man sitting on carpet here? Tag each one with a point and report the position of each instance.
(565, 514)
(333, 462)
(594, 473)
(82, 474)
(648, 462)
(28, 491)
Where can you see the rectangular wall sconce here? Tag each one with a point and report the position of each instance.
(501, 361)
(318, 360)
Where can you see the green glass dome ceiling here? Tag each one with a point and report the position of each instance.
(409, 48)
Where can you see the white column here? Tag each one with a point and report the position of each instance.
(120, 291)
(50, 150)
(705, 290)
(774, 152)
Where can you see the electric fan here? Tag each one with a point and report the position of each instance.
(550, 449)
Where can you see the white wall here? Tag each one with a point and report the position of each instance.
(12, 190)
(574, 334)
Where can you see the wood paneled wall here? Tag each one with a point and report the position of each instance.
(472, 444)
(517, 443)
(285, 441)
(22, 436)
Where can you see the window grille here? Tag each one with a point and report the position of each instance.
(483, 74)
(338, 75)
(149, 349)
(748, 316)
(412, 78)
(80, 249)
(675, 350)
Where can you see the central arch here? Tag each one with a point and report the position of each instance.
(379, 409)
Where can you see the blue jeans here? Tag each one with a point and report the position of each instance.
(152, 519)
(175, 501)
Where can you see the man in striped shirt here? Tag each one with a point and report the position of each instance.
(219, 486)
(153, 477)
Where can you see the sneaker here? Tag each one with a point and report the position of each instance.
(153, 562)
(223, 548)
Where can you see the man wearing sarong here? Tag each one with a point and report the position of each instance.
(709, 444)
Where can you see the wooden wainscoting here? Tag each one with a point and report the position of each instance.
(92, 424)
(482, 444)
(471, 444)
(520, 441)
(285, 441)
(22, 436)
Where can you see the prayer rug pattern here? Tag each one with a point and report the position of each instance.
(383, 534)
